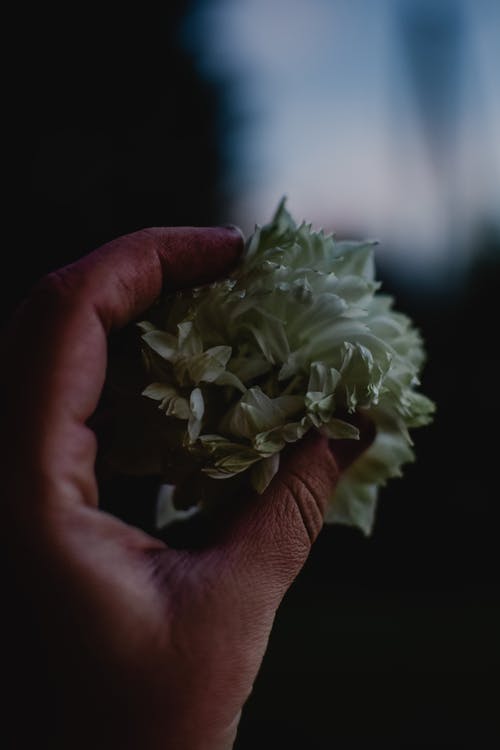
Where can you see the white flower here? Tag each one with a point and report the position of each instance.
(297, 338)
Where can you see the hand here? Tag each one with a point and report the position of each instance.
(146, 647)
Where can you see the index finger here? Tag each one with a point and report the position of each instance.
(56, 344)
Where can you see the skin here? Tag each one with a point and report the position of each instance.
(116, 640)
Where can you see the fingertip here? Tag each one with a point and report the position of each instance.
(312, 451)
(346, 451)
(198, 255)
(234, 230)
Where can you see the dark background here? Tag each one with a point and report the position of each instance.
(391, 640)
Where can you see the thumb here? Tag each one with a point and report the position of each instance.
(266, 544)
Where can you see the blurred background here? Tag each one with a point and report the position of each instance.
(377, 118)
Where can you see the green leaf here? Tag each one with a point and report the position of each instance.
(263, 471)
(255, 412)
(159, 391)
(339, 429)
(162, 343)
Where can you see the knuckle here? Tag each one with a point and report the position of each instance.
(127, 291)
(309, 500)
(58, 288)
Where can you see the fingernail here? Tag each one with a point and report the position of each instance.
(234, 228)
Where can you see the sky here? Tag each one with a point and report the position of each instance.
(377, 118)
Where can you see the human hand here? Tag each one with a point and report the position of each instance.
(148, 647)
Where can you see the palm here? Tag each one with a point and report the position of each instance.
(152, 622)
